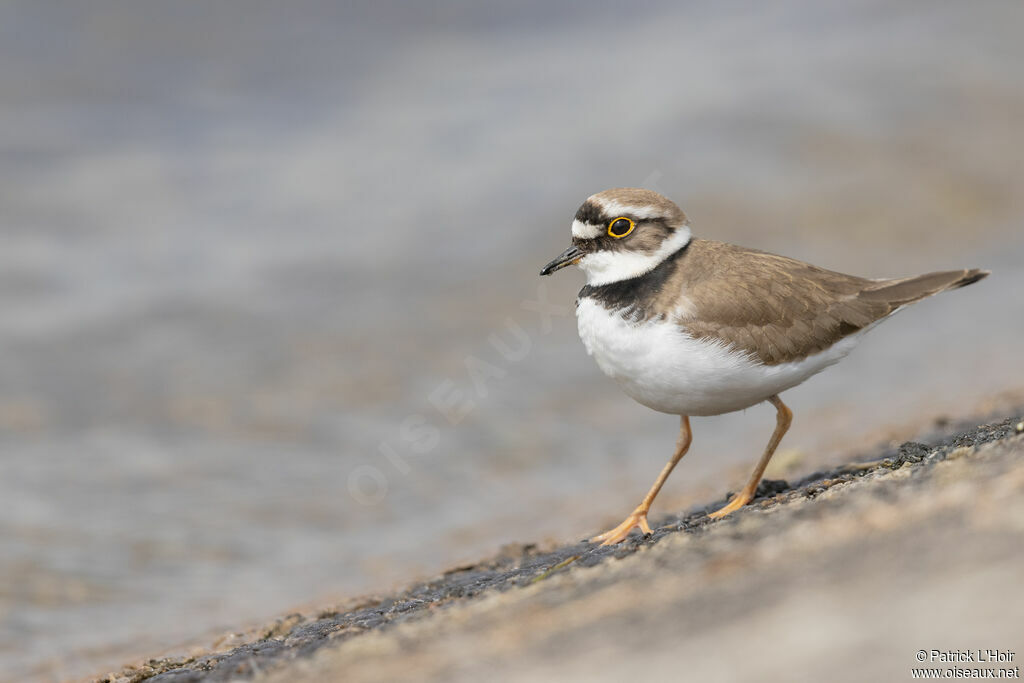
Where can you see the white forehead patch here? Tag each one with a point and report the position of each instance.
(586, 231)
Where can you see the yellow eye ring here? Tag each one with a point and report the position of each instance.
(615, 227)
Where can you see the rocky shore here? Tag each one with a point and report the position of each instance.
(847, 574)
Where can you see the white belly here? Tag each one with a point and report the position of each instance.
(657, 364)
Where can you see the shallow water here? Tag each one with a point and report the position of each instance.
(243, 246)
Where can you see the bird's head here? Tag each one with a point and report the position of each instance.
(621, 234)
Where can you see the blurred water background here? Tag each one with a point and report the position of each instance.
(244, 243)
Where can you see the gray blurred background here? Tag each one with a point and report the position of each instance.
(244, 244)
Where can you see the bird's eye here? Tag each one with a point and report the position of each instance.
(620, 227)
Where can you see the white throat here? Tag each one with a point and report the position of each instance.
(604, 267)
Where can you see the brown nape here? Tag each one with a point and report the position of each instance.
(779, 309)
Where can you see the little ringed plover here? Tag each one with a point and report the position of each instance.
(694, 327)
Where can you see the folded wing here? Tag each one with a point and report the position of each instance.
(779, 309)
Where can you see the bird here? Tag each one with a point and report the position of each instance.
(694, 327)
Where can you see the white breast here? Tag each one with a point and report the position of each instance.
(657, 364)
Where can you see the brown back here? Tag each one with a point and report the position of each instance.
(779, 309)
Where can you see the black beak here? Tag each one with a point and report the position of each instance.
(568, 257)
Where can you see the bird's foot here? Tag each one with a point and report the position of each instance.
(636, 520)
(734, 504)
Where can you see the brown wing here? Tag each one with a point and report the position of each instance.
(780, 309)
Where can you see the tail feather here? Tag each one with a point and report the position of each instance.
(908, 290)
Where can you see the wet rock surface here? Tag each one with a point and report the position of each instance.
(531, 609)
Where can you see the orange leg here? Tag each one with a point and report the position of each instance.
(638, 518)
(783, 418)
